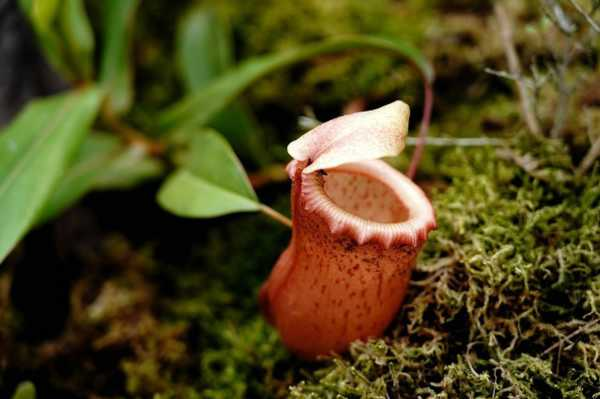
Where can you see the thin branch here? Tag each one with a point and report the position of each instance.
(501, 74)
(589, 159)
(277, 174)
(525, 162)
(273, 214)
(309, 122)
(555, 12)
(457, 142)
(586, 15)
(514, 65)
(589, 126)
(422, 138)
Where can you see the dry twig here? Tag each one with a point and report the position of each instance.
(586, 15)
(514, 65)
(592, 155)
(580, 330)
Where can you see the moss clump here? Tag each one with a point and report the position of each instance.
(504, 302)
(235, 353)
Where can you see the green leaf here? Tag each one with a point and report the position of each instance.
(238, 125)
(203, 48)
(78, 35)
(203, 53)
(200, 107)
(53, 49)
(211, 181)
(35, 150)
(116, 72)
(25, 390)
(187, 195)
(129, 168)
(211, 158)
(26, 6)
(103, 163)
(95, 154)
(43, 13)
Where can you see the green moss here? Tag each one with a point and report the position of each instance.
(233, 351)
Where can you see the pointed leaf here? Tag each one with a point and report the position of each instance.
(79, 36)
(211, 158)
(43, 13)
(203, 48)
(115, 68)
(200, 107)
(34, 153)
(187, 195)
(25, 390)
(211, 181)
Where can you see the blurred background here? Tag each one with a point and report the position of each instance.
(105, 292)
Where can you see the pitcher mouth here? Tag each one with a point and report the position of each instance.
(369, 201)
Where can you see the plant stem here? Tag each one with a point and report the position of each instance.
(514, 65)
(457, 142)
(586, 15)
(271, 174)
(132, 135)
(418, 153)
(273, 214)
